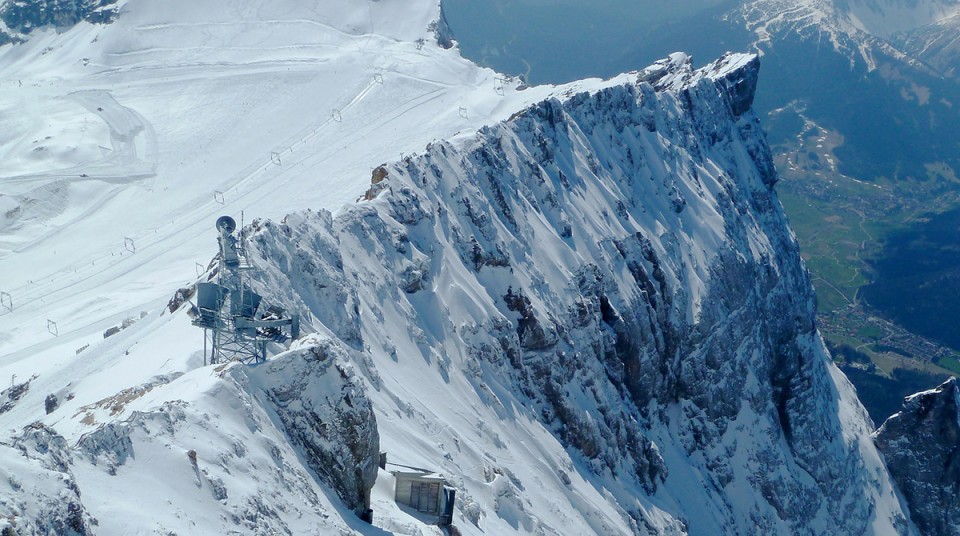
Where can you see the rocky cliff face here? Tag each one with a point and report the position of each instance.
(267, 450)
(322, 406)
(616, 261)
(22, 17)
(592, 318)
(921, 444)
(45, 498)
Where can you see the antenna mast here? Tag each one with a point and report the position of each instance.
(228, 309)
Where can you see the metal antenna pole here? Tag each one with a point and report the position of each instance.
(239, 269)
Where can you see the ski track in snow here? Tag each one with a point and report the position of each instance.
(135, 156)
(151, 246)
(121, 163)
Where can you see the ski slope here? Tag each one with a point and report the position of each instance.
(126, 142)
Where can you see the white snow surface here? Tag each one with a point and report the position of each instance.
(123, 143)
(149, 128)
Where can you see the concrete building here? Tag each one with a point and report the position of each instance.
(425, 492)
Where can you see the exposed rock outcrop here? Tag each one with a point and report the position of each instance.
(321, 404)
(921, 444)
(45, 498)
(22, 17)
(618, 260)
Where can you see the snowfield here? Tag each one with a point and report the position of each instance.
(581, 304)
(149, 129)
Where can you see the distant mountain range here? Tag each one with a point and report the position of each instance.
(879, 71)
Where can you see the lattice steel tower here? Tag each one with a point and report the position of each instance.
(228, 309)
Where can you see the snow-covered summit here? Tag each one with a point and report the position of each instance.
(735, 74)
(582, 304)
(608, 276)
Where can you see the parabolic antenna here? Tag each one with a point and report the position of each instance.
(226, 224)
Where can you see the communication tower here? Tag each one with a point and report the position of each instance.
(230, 313)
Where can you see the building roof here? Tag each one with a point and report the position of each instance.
(419, 475)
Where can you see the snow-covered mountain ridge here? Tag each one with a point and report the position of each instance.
(936, 44)
(610, 272)
(864, 30)
(590, 316)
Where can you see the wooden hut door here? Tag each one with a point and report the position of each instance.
(425, 497)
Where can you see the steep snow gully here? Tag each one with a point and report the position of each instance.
(591, 318)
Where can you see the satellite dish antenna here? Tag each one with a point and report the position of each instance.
(226, 224)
